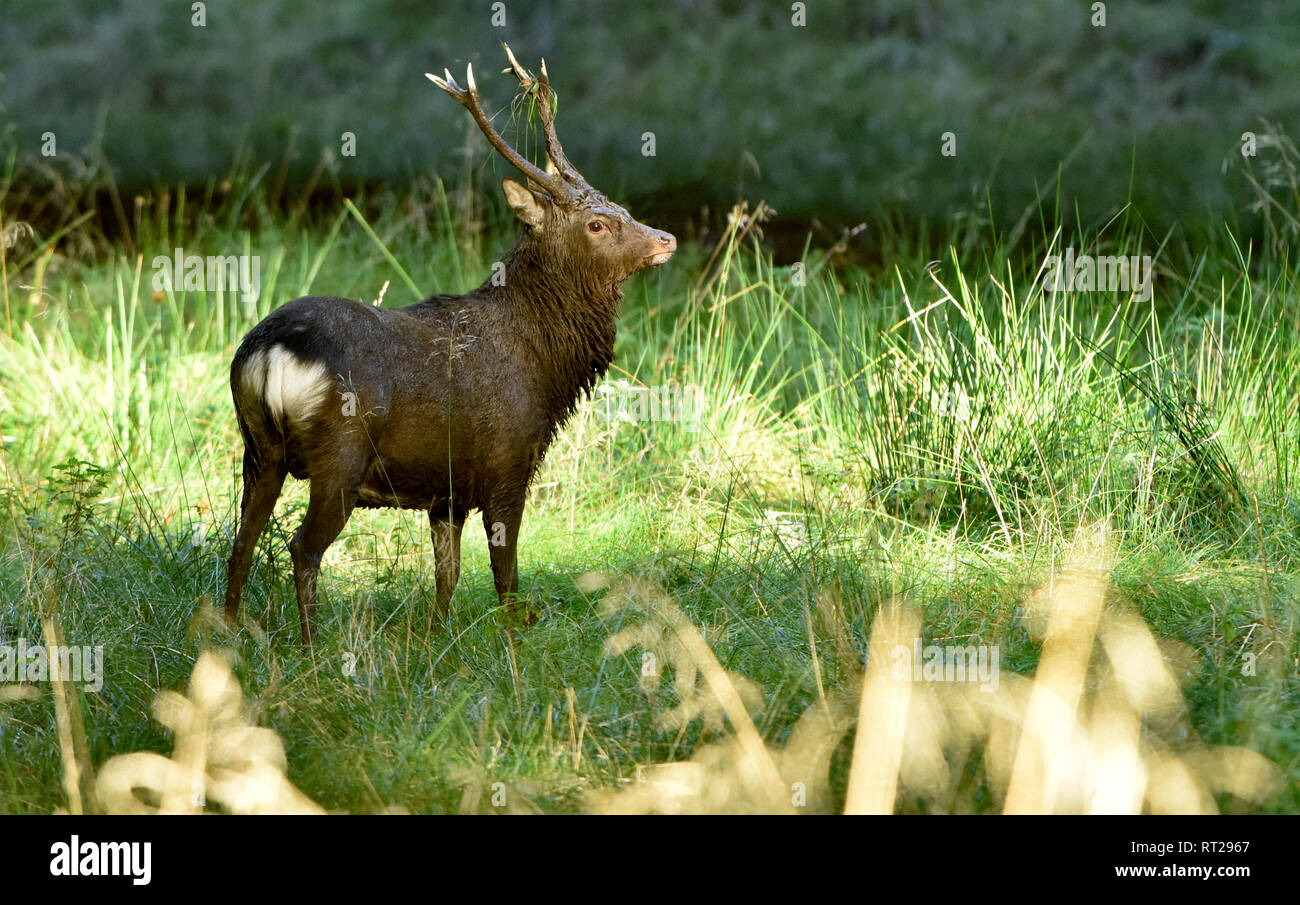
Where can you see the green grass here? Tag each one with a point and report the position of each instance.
(933, 432)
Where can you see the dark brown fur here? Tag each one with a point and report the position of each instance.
(447, 405)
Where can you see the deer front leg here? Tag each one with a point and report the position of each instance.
(501, 521)
(445, 527)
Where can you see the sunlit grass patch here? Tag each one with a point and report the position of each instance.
(910, 452)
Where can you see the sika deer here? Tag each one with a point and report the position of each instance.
(447, 405)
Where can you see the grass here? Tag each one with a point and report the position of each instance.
(929, 435)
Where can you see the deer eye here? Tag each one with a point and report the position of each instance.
(595, 226)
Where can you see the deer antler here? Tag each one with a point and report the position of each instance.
(566, 182)
(540, 88)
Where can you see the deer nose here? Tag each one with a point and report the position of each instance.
(667, 240)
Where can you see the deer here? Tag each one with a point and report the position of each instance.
(447, 405)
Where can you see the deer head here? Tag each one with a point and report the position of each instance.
(566, 218)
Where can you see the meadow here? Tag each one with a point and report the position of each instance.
(926, 448)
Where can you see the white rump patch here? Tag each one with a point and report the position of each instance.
(292, 389)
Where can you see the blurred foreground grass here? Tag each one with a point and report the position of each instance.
(1101, 728)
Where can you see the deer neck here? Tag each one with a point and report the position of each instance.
(565, 314)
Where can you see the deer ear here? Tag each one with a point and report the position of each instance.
(526, 204)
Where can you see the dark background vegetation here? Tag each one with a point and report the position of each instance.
(839, 121)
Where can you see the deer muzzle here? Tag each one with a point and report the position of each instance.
(665, 244)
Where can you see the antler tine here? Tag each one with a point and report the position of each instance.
(469, 99)
(554, 150)
(445, 82)
(541, 89)
(524, 76)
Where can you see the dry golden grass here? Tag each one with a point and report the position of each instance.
(218, 758)
(1100, 728)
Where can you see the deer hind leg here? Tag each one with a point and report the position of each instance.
(262, 484)
(445, 528)
(331, 502)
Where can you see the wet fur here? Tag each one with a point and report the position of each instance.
(447, 406)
